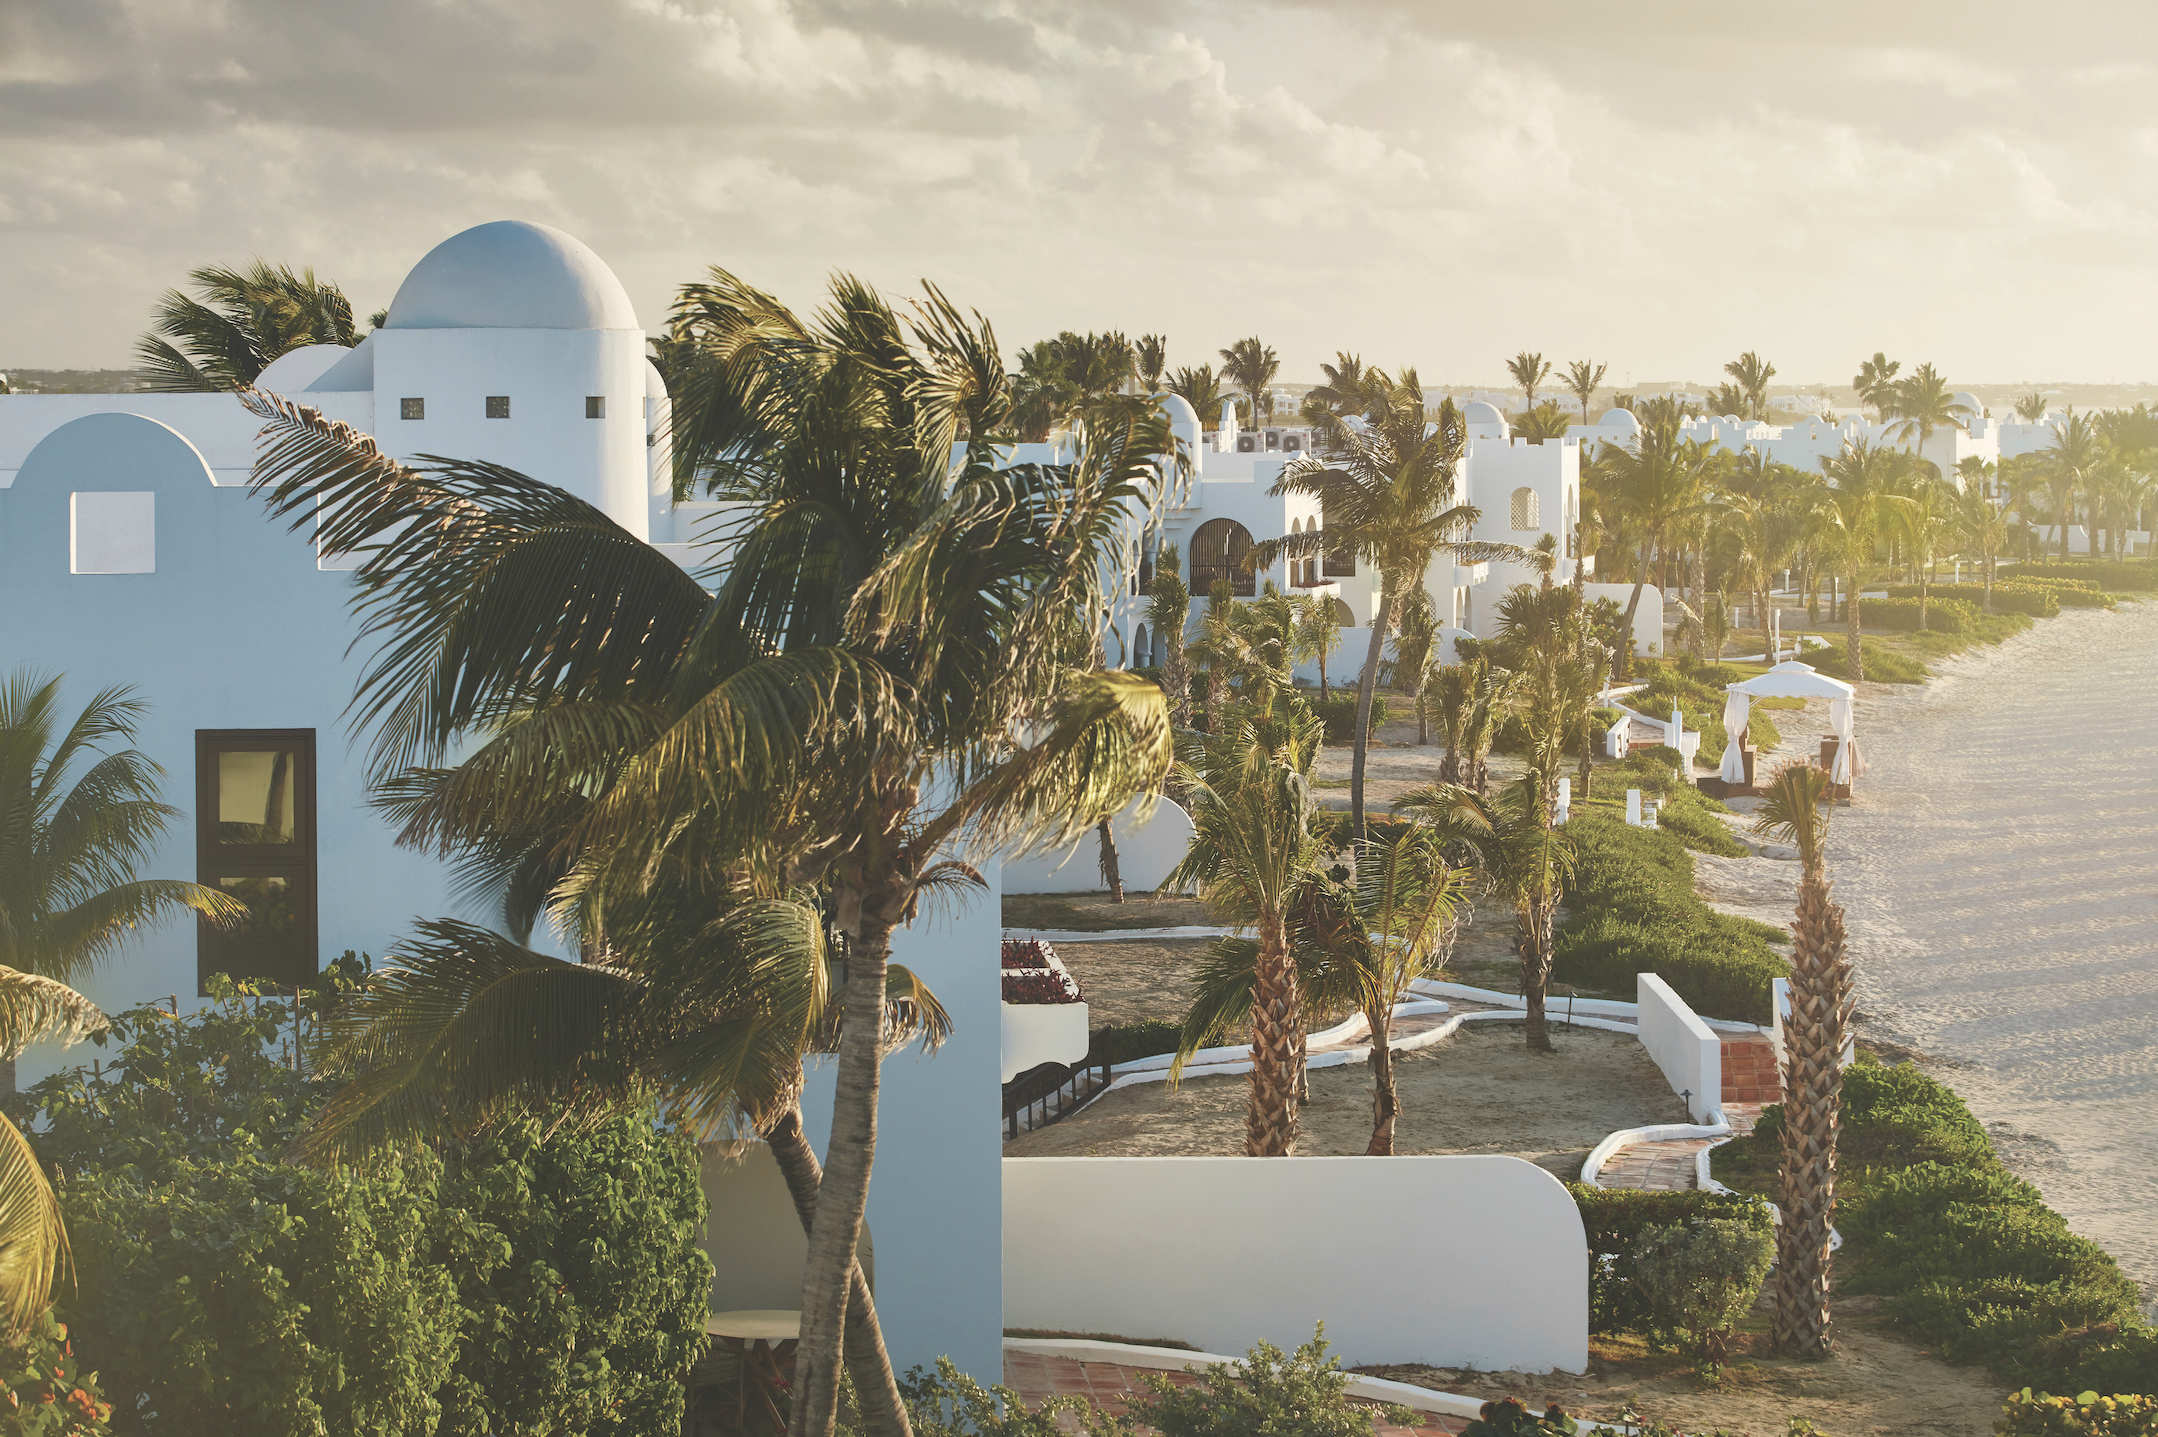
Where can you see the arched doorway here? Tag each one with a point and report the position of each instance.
(1142, 653)
(1217, 553)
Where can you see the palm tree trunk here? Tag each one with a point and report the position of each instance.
(1270, 1117)
(1322, 673)
(1385, 1101)
(1176, 678)
(1625, 643)
(1854, 655)
(884, 1411)
(1812, 1113)
(1217, 697)
(851, 1152)
(1381, 618)
(1423, 719)
(1112, 876)
(1535, 922)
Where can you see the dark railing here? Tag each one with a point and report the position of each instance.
(1054, 1097)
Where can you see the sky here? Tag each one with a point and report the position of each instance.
(1657, 186)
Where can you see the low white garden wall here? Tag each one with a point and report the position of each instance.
(1145, 854)
(1690, 1055)
(1456, 1261)
(1038, 1033)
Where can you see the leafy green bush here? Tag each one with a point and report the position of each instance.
(46, 1391)
(2085, 1415)
(509, 1280)
(1699, 829)
(1298, 1394)
(1883, 664)
(1616, 1218)
(1699, 1277)
(1338, 712)
(2037, 602)
(1635, 911)
(1942, 615)
(949, 1403)
(2110, 574)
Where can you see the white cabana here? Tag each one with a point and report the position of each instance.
(1792, 680)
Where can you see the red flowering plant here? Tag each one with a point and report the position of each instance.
(1029, 953)
(1047, 985)
(43, 1390)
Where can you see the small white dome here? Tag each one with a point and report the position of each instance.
(655, 383)
(511, 274)
(1968, 403)
(1182, 417)
(1621, 419)
(1478, 412)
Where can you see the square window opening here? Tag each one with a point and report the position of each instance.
(498, 406)
(411, 409)
(595, 406)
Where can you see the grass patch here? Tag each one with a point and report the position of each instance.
(1635, 911)
(1884, 665)
(1969, 1257)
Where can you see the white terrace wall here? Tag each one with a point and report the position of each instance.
(1690, 1055)
(1145, 852)
(1457, 1261)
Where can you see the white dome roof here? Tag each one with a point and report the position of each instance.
(511, 274)
(296, 369)
(1620, 419)
(1970, 403)
(1479, 412)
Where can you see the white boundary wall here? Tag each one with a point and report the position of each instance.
(1464, 1261)
(1690, 1055)
(1038, 1033)
(1145, 854)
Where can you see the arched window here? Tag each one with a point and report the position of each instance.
(1528, 509)
(1344, 616)
(1217, 553)
(1142, 652)
(1339, 564)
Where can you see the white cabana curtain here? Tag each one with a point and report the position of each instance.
(1850, 763)
(1736, 706)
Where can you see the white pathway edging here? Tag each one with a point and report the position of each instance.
(1118, 935)
(1175, 1359)
(1601, 1007)
(1592, 1169)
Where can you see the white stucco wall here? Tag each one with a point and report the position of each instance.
(1456, 1261)
(1036, 1033)
(1684, 1047)
(1146, 851)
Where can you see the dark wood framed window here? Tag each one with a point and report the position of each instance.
(255, 839)
(1217, 555)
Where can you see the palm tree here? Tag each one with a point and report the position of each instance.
(71, 844)
(1728, 399)
(1168, 613)
(1415, 640)
(2031, 408)
(1865, 503)
(1582, 378)
(1982, 523)
(1250, 366)
(1876, 383)
(1545, 421)
(1388, 491)
(1763, 514)
(238, 321)
(2071, 459)
(33, 1239)
(1317, 633)
(1202, 390)
(888, 619)
(1351, 387)
(1254, 849)
(1752, 374)
(1528, 370)
(1657, 481)
(1152, 354)
(1924, 404)
(1928, 521)
(1793, 809)
(1407, 899)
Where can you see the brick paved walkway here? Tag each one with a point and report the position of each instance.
(1749, 1084)
(1110, 1386)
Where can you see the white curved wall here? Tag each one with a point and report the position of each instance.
(1456, 1261)
(1145, 854)
(1036, 1033)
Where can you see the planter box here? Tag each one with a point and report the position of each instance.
(1038, 1033)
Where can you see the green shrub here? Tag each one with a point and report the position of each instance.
(1298, 1394)
(2032, 600)
(1942, 615)
(2085, 1415)
(2111, 574)
(1883, 665)
(46, 1391)
(1699, 1277)
(1635, 911)
(1616, 1218)
(949, 1403)
(1338, 712)
(1699, 829)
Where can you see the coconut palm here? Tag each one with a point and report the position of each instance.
(1582, 378)
(1728, 399)
(1876, 383)
(1151, 354)
(1254, 851)
(2031, 408)
(842, 713)
(33, 1239)
(1545, 421)
(1168, 613)
(1929, 522)
(1657, 482)
(1201, 388)
(1408, 898)
(1924, 405)
(1351, 387)
(1388, 488)
(2071, 460)
(1415, 644)
(1863, 507)
(1980, 522)
(236, 323)
(72, 843)
(1251, 366)
(1752, 374)
(1765, 517)
(1471, 697)
(1528, 370)
(1793, 810)
(1317, 633)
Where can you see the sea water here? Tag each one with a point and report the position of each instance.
(1996, 874)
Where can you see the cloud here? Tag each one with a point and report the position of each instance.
(1660, 186)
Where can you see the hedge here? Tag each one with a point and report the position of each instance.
(1969, 1256)
(1942, 615)
(1635, 911)
(1615, 1217)
(2036, 601)
(2112, 574)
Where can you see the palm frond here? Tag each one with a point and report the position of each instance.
(33, 1239)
